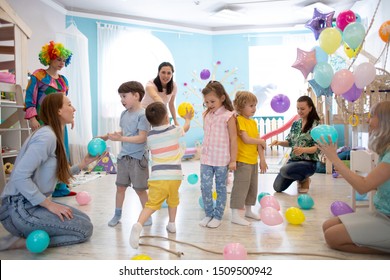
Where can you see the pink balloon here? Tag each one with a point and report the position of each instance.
(270, 201)
(305, 61)
(83, 198)
(365, 74)
(342, 81)
(234, 251)
(345, 18)
(270, 216)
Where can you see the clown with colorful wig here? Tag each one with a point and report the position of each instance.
(44, 82)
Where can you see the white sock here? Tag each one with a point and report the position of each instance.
(134, 236)
(250, 214)
(205, 221)
(214, 223)
(171, 227)
(236, 218)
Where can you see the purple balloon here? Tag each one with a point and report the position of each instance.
(205, 74)
(280, 103)
(352, 94)
(340, 208)
(319, 22)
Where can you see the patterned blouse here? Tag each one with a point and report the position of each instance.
(40, 85)
(297, 138)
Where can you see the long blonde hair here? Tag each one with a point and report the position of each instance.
(379, 140)
(51, 104)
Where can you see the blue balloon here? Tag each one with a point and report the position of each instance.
(353, 34)
(192, 178)
(324, 130)
(96, 146)
(323, 74)
(261, 195)
(305, 201)
(321, 55)
(37, 241)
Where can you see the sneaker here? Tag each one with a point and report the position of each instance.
(171, 227)
(114, 221)
(149, 221)
(303, 186)
(214, 223)
(134, 236)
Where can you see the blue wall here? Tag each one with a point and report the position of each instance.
(192, 53)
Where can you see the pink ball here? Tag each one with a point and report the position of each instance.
(270, 216)
(234, 251)
(270, 201)
(83, 198)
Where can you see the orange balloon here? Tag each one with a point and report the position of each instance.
(384, 31)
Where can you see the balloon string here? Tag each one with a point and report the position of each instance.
(179, 254)
(368, 29)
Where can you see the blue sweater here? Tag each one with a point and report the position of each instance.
(34, 173)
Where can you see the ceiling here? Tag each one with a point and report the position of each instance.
(201, 14)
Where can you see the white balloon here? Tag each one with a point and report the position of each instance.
(364, 74)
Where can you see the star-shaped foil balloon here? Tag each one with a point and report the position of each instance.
(305, 61)
(319, 22)
(319, 90)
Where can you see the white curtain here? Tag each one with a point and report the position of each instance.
(124, 54)
(77, 74)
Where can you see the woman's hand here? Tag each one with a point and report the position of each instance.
(274, 143)
(298, 150)
(329, 150)
(115, 136)
(62, 211)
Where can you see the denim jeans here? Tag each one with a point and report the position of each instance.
(293, 171)
(19, 217)
(207, 173)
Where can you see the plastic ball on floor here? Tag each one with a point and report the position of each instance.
(141, 257)
(335, 174)
(37, 241)
(295, 216)
(192, 178)
(270, 216)
(261, 195)
(234, 251)
(270, 201)
(340, 208)
(96, 147)
(305, 201)
(83, 198)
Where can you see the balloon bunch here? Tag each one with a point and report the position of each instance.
(346, 31)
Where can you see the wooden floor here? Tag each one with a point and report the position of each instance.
(193, 242)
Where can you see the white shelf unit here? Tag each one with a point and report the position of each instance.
(14, 128)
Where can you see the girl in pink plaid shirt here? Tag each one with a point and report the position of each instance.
(219, 150)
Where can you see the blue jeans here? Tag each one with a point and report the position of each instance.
(207, 173)
(19, 217)
(293, 171)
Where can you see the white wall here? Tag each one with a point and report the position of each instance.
(44, 22)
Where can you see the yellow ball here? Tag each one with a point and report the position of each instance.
(183, 108)
(141, 257)
(295, 216)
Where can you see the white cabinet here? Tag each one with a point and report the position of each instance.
(13, 127)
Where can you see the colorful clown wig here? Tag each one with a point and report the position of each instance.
(53, 50)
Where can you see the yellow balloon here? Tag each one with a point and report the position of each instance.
(141, 257)
(183, 108)
(295, 216)
(350, 52)
(214, 195)
(330, 40)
